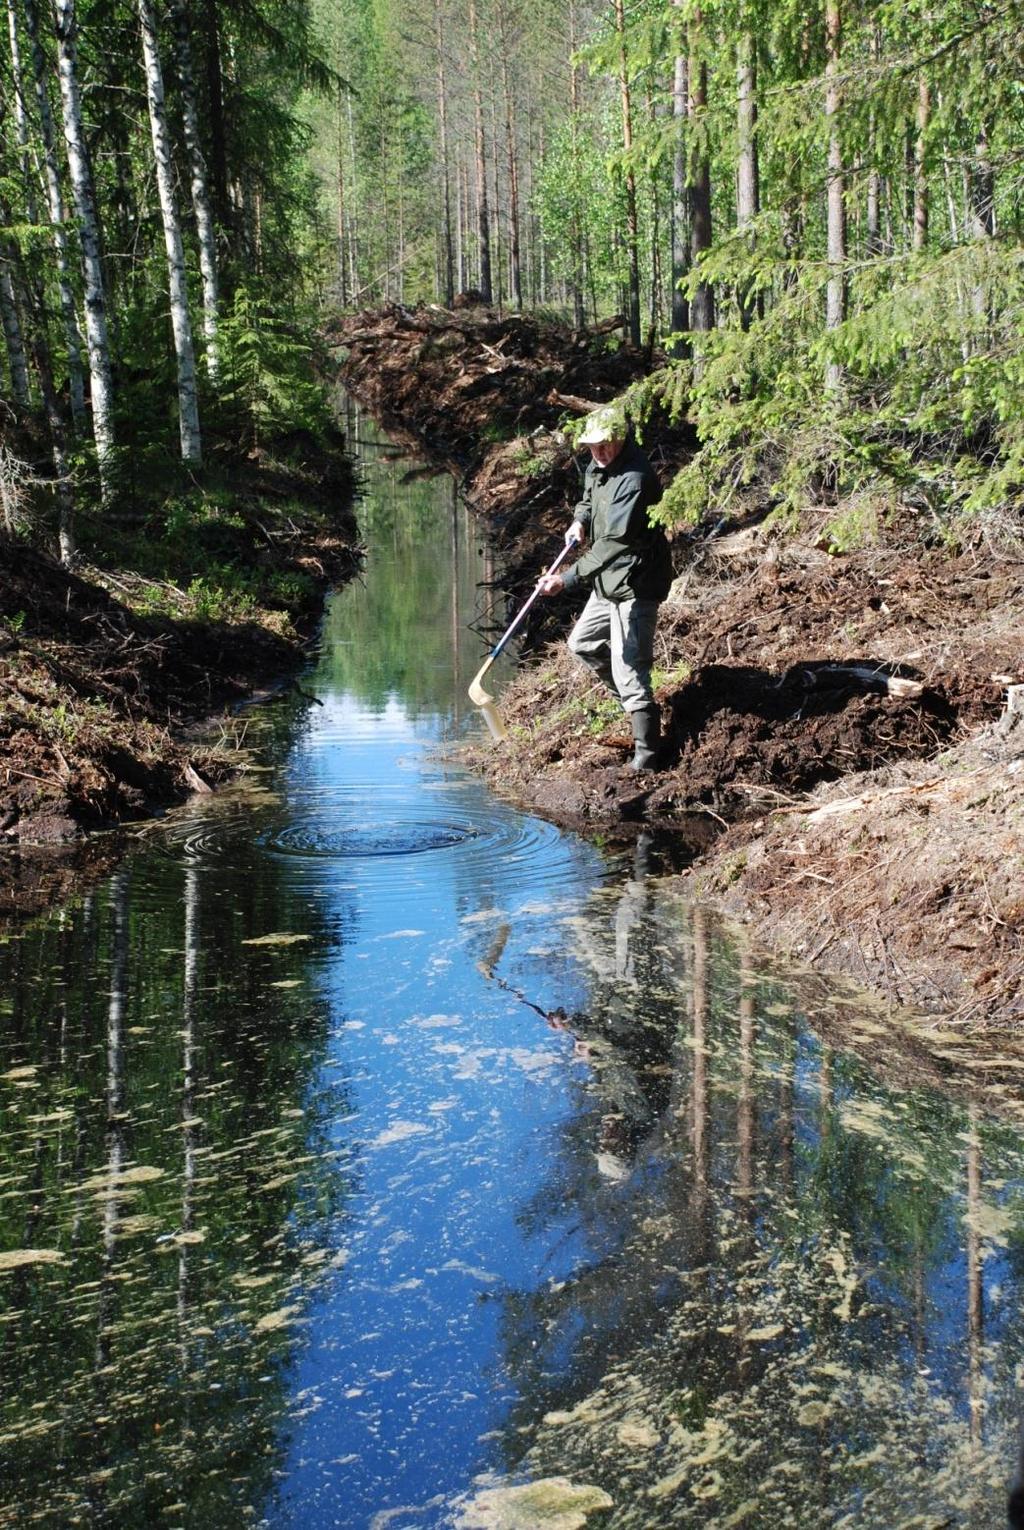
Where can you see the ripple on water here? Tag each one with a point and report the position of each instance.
(463, 831)
(318, 840)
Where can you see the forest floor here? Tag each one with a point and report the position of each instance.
(838, 757)
(107, 672)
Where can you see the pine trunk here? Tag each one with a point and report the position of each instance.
(576, 235)
(835, 302)
(632, 230)
(483, 217)
(447, 258)
(58, 435)
(181, 324)
(497, 242)
(342, 211)
(515, 259)
(217, 126)
(96, 336)
(202, 206)
(680, 200)
(353, 245)
(15, 340)
(702, 306)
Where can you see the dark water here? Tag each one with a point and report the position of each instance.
(374, 1155)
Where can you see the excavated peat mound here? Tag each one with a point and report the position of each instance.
(485, 396)
(836, 731)
(800, 669)
(96, 701)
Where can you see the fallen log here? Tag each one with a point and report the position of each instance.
(571, 401)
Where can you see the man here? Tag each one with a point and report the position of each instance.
(628, 567)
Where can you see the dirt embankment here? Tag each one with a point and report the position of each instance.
(831, 721)
(103, 674)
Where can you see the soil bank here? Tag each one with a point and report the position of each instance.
(835, 754)
(108, 679)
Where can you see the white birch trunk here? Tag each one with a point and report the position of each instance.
(201, 203)
(181, 324)
(874, 198)
(55, 207)
(97, 341)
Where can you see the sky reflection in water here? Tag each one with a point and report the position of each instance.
(374, 1155)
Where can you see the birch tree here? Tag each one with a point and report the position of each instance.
(80, 171)
(56, 211)
(181, 324)
(201, 203)
(921, 196)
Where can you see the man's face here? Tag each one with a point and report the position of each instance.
(605, 452)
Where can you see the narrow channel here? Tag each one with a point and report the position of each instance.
(375, 1155)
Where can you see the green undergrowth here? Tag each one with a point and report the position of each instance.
(234, 547)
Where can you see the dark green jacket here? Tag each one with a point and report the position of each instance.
(627, 558)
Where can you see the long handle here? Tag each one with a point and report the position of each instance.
(499, 645)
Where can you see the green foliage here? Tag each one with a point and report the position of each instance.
(671, 679)
(931, 407)
(527, 463)
(222, 597)
(268, 386)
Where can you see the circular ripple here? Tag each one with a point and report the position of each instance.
(385, 830)
(382, 839)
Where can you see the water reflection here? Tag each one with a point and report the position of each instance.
(166, 1198)
(373, 1155)
(801, 1298)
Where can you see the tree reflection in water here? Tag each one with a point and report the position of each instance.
(779, 1318)
(171, 1184)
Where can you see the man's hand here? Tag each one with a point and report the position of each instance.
(550, 584)
(575, 534)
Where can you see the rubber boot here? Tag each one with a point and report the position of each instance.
(646, 725)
